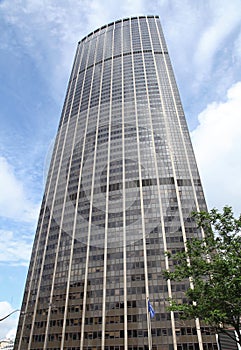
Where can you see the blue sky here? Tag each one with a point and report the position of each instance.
(37, 46)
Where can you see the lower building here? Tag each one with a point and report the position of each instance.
(227, 341)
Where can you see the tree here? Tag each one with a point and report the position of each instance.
(213, 266)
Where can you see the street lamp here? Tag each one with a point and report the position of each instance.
(3, 318)
(23, 312)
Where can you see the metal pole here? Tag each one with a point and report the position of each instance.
(1, 319)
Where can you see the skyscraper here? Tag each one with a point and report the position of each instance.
(121, 187)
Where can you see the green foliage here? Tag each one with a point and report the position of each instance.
(213, 266)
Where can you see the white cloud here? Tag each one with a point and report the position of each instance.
(14, 250)
(237, 49)
(202, 41)
(218, 148)
(46, 32)
(225, 19)
(14, 202)
(9, 325)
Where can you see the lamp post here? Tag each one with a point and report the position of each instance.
(3, 318)
(22, 312)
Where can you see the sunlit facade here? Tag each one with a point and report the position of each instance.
(121, 187)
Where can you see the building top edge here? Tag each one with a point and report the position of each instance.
(115, 22)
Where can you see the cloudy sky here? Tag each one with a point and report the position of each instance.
(37, 45)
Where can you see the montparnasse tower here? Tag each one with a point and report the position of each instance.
(121, 187)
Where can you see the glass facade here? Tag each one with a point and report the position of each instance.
(121, 187)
